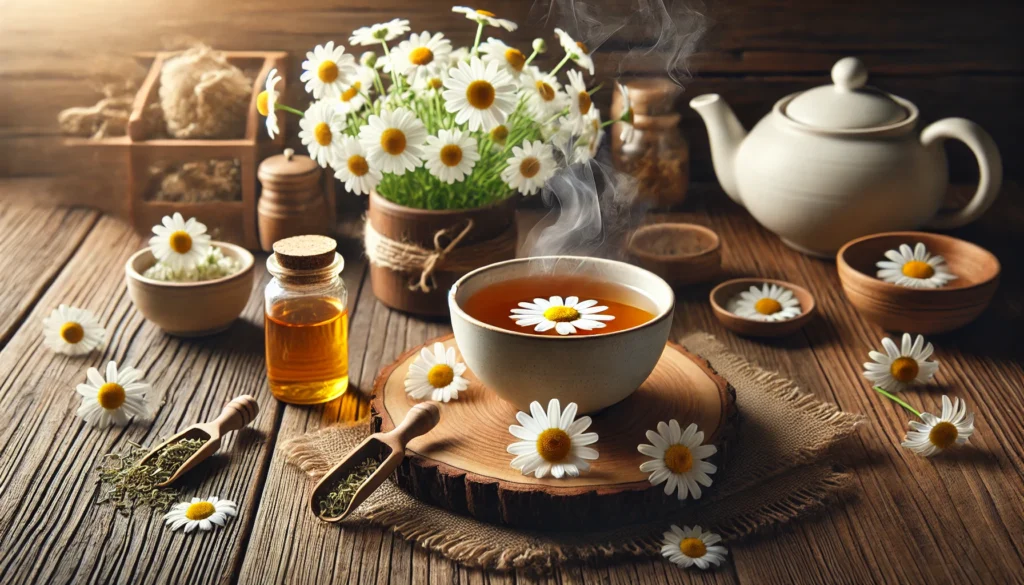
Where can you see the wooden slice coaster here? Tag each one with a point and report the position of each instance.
(462, 464)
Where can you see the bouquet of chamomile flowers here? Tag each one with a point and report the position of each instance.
(430, 126)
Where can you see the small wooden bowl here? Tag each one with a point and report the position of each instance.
(917, 310)
(723, 293)
(680, 253)
(190, 309)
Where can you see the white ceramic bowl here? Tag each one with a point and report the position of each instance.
(594, 371)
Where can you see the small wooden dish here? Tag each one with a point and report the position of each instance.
(723, 293)
(680, 253)
(190, 309)
(917, 310)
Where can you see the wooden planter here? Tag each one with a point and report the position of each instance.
(230, 221)
(418, 226)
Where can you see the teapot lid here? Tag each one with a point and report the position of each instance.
(847, 104)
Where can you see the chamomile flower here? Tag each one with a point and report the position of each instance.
(72, 331)
(692, 546)
(114, 399)
(327, 70)
(769, 303)
(678, 459)
(580, 103)
(936, 434)
(578, 52)
(266, 103)
(485, 18)
(531, 165)
(915, 268)
(379, 33)
(436, 375)
(451, 155)
(564, 316)
(394, 141)
(179, 244)
(354, 96)
(626, 119)
(481, 96)
(499, 135)
(544, 95)
(200, 513)
(354, 170)
(321, 129)
(901, 366)
(552, 442)
(420, 56)
(512, 60)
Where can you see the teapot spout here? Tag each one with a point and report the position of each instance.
(725, 133)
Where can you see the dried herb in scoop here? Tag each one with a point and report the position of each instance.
(335, 502)
(126, 484)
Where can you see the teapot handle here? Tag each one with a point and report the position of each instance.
(990, 167)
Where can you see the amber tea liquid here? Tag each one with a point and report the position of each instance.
(307, 349)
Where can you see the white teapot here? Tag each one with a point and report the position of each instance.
(842, 161)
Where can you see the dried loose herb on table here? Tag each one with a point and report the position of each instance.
(337, 500)
(127, 484)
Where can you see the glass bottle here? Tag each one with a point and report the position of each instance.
(306, 321)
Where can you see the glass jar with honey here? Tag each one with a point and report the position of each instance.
(306, 321)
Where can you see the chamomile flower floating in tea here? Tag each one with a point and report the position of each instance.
(266, 102)
(530, 167)
(327, 70)
(394, 141)
(564, 316)
(692, 546)
(575, 51)
(179, 244)
(552, 442)
(436, 375)
(769, 303)
(113, 399)
(451, 155)
(200, 513)
(915, 268)
(320, 130)
(379, 33)
(678, 459)
(901, 365)
(72, 331)
(481, 96)
(936, 433)
(485, 18)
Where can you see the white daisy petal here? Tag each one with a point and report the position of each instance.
(552, 441)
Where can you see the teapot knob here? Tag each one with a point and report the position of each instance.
(849, 74)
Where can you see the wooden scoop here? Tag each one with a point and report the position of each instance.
(235, 415)
(388, 448)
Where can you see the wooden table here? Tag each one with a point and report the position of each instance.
(952, 519)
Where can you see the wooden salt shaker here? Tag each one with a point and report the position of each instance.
(293, 202)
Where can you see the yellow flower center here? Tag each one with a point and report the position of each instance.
(546, 92)
(451, 155)
(585, 102)
(553, 445)
(560, 314)
(199, 511)
(322, 133)
(110, 395)
(327, 71)
(499, 134)
(352, 92)
(434, 83)
(180, 242)
(693, 547)
(918, 269)
(943, 435)
(421, 56)
(583, 47)
(262, 101)
(392, 141)
(485, 13)
(515, 58)
(679, 459)
(529, 167)
(904, 369)
(357, 165)
(480, 94)
(440, 375)
(767, 306)
(72, 332)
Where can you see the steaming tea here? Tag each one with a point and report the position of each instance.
(557, 305)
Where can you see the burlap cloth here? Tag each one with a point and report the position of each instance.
(776, 472)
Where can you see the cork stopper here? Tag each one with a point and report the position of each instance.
(305, 252)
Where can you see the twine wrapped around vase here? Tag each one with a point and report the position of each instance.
(446, 255)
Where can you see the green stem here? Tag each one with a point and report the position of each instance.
(396, 77)
(560, 64)
(898, 401)
(476, 42)
(282, 107)
(530, 59)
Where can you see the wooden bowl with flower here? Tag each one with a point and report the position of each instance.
(762, 307)
(923, 299)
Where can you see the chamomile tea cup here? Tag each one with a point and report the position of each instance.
(512, 323)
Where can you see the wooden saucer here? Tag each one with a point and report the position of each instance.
(462, 464)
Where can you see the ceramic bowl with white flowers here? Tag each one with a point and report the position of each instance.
(526, 364)
(762, 307)
(917, 282)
